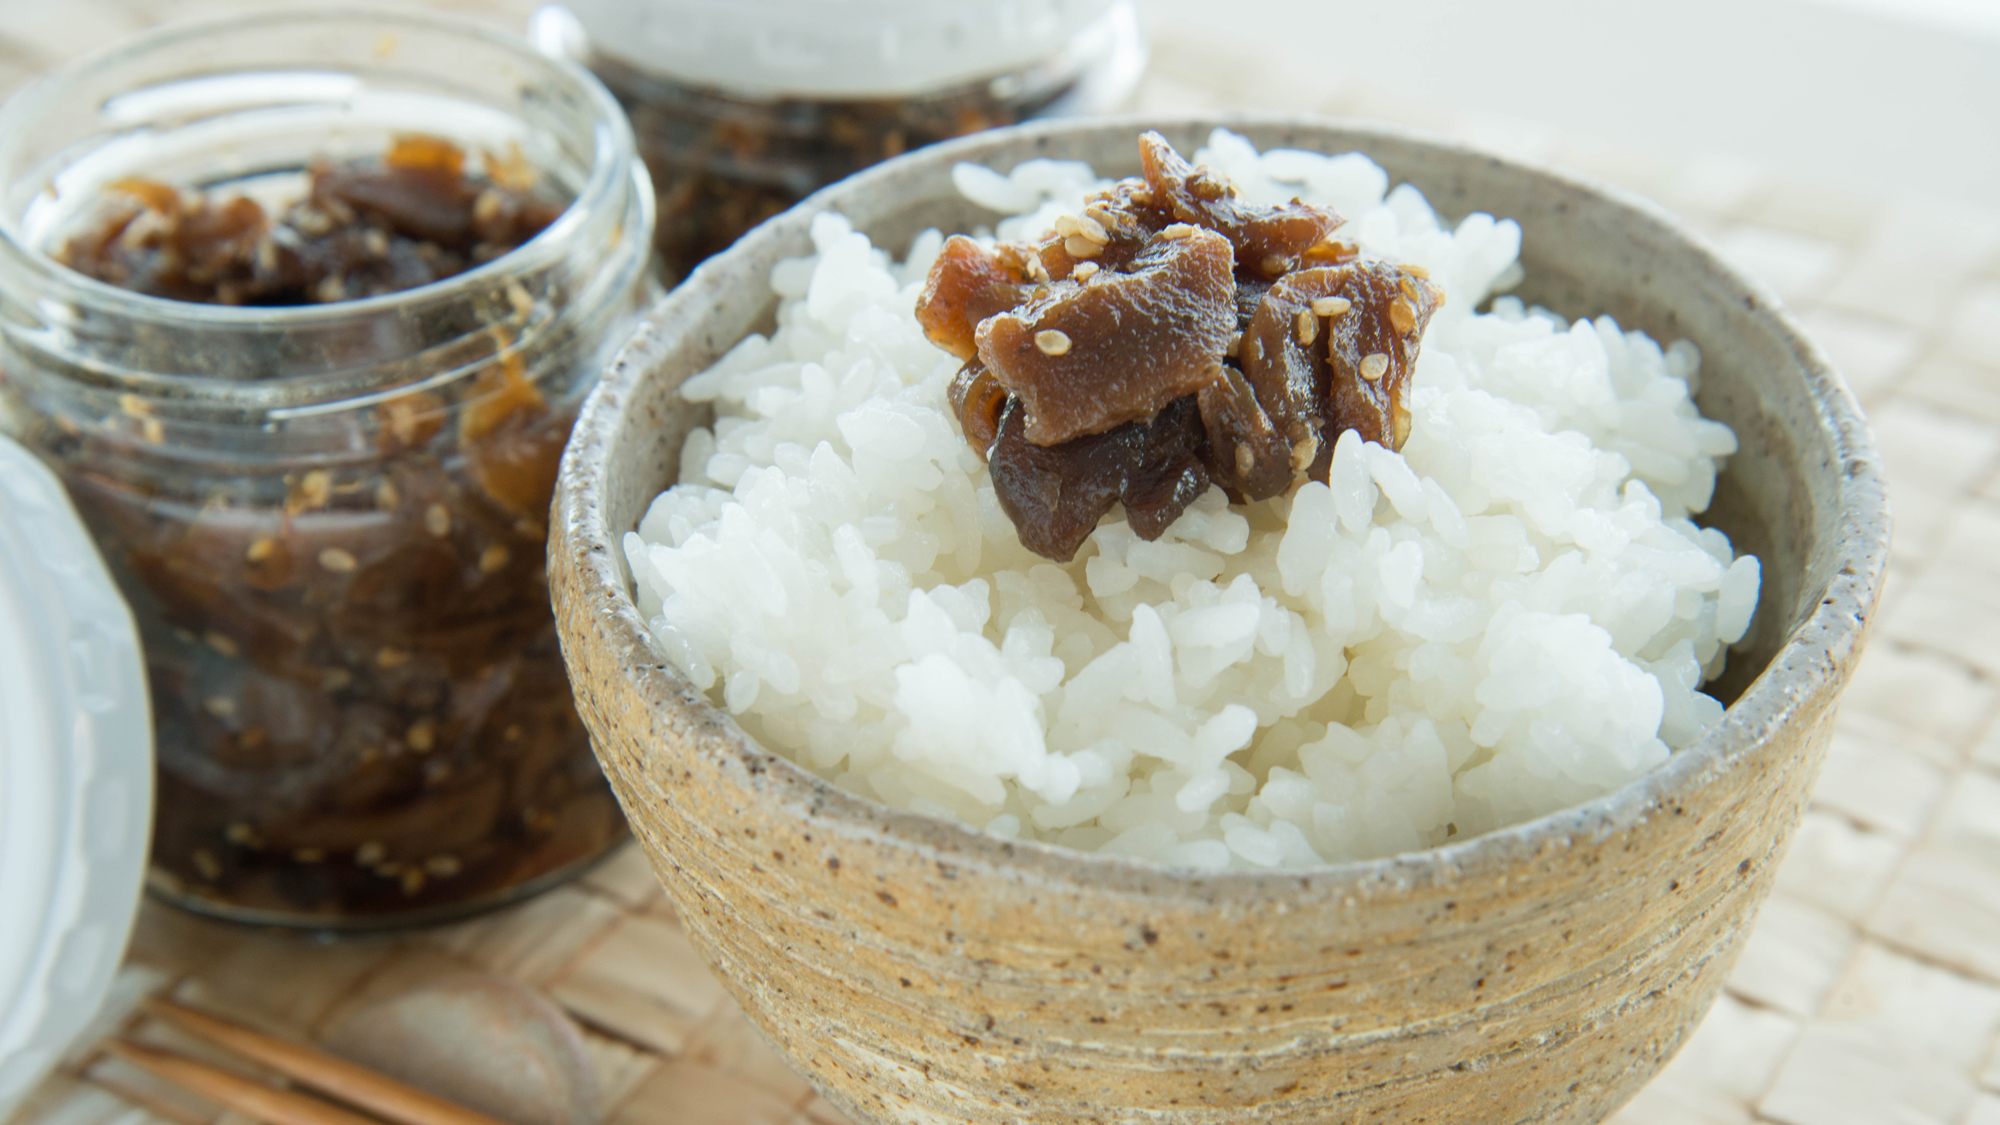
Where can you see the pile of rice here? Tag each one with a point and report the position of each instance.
(1510, 616)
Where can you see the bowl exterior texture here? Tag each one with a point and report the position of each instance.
(915, 971)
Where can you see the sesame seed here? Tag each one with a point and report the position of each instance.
(1303, 452)
(134, 405)
(1245, 459)
(1415, 269)
(337, 560)
(1051, 342)
(1080, 247)
(205, 863)
(1065, 225)
(153, 430)
(387, 497)
(486, 207)
(1178, 230)
(1101, 215)
(314, 488)
(1036, 270)
(437, 520)
(493, 558)
(1275, 264)
(1092, 229)
(1331, 306)
(376, 243)
(261, 549)
(1402, 316)
(1306, 327)
(148, 224)
(1084, 271)
(1143, 197)
(1408, 286)
(517, 296)
(221, 644)
(1374, 367)
(422, 736)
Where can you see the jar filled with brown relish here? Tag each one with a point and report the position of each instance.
(301, 306)
(744, 107)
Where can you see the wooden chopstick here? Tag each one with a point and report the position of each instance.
(356, 1085)
(151, 1102)
(244, 1095)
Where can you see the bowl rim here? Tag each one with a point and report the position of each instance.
(1805, 666)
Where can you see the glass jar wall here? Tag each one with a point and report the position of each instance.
(329, 517)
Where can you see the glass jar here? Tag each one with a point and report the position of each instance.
(744, 107)
(329, 518)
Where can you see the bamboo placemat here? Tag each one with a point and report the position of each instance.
(1868, 993)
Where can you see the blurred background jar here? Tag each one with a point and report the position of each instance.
(744, 107)
(329, 518)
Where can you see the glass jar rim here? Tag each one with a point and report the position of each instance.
(610, 168)
(806, 49)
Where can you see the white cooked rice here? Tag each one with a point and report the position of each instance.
(1509, 617)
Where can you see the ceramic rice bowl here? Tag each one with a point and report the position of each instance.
(918, 971)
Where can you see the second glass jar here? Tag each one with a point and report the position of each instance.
(744, 107)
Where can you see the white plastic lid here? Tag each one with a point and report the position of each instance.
(836, 48)
(76, 774)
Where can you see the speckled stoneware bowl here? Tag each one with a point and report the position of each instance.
(916, 971)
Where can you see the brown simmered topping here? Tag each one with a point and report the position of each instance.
(364, 228)
(1269, 240)
(1255, 459)
(1056, 494)
(977, 399)
(966, 285)
(1170, 337)
(1066, 353)
(1372, 316)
